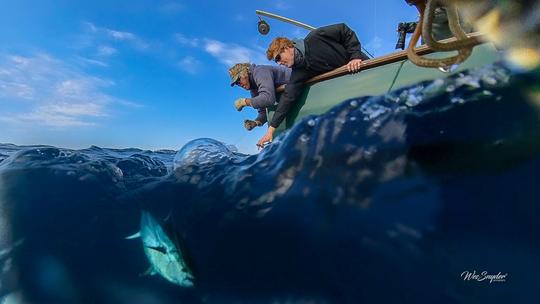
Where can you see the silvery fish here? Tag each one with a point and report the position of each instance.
(165, 255)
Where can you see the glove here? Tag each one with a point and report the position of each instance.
(240, 103)
(250, 124)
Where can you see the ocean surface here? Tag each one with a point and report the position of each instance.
(429, 194)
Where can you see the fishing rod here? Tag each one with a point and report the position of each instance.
(264, 27)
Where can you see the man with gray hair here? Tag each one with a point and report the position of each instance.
(261, 81)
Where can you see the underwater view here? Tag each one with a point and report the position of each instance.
(425, 194)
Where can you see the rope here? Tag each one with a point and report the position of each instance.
(396, 76)
(453, 20)
(425, 23)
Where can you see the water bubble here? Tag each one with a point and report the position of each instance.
(352, 118)
(201, 151)
(457, 100)
(487, 93)
(450, 88)
(372, 111)
(368, 153)
(232, 148)
(403, 95)
(311, 122)
(391, 98)
(413, 100)
(340, 121)
(354, 103)
(117, 171)
(435, 87)
(489, 80)
(449, 69)
(304, 138)
(400, 109)
(468, 81)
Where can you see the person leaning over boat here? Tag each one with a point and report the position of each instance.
(261, 81)
(322, 50)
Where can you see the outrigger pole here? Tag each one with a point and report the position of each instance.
(264, 28)
(285, 19)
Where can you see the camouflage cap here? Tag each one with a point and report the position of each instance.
(237, 70)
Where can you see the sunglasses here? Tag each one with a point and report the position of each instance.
(277, 59)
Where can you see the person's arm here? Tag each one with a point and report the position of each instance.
(262, 116)
(342, 34)
(266, 93)
(292, 92)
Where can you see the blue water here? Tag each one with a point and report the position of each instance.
(384, 199)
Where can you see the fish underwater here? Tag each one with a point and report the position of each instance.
(165, 256)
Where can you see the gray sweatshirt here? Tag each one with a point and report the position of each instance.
(264, 79)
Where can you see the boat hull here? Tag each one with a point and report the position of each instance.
(321, 96)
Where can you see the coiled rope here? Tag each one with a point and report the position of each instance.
(463, 45)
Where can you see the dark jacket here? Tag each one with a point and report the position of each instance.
(326, 48)
(264, 79)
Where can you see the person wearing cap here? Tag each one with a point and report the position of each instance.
(322, 50)
(261, 81)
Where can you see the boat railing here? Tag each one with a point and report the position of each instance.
(383, 60)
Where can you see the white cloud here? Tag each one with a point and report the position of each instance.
(230, 53)
(74, 109)
(105, 51)
(117, 35)
(88, 61)
(189, 64)
(226, 53)
(53, 93)
(102, 33)
(183, 40)
(60, 115)
(48, 119)
(91, 27)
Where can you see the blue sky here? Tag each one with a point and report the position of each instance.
(150, 74)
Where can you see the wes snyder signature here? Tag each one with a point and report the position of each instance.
(484, 276)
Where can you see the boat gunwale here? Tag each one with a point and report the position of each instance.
(383, 60)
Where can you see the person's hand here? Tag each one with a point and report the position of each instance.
(267, 138)
(240, 103)
(250, 124)
(354, 65)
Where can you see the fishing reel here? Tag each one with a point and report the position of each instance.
(403, 29)
(263, 27)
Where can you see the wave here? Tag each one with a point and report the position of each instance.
(383, 198)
